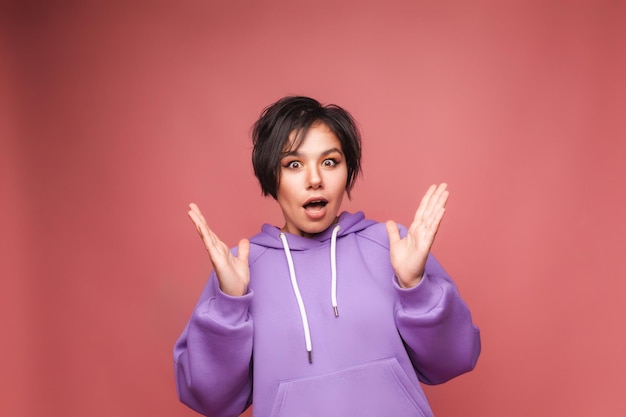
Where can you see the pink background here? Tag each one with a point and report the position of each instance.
(115, 117)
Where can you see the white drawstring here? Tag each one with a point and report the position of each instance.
(333, 271)
(296, 290)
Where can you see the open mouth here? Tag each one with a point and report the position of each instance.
(315, 205)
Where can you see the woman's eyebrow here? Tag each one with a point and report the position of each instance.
(325, 153)
(332, 150)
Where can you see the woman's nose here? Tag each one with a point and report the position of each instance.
(314, 178)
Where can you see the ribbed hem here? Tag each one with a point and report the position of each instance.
(231, 310)
(422, 298)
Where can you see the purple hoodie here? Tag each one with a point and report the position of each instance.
(285, 339)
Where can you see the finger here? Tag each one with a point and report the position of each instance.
(434, 197)
(207, 235)
(196, 221)
(392, 231)
(243, 250)
(194, 207)
(443, 194)
(421, 209)
(437, 200)
(200, 224)
(440, 203)
(435, 221)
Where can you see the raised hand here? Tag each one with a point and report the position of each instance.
(408, 255)
(233, 273)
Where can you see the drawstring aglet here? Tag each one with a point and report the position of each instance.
(336, 311)
(310, 356)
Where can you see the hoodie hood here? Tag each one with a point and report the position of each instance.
(348, 223)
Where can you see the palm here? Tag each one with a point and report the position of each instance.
(232, 272)
(408, 255)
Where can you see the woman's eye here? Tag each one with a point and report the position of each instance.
(294, 165)
(329, 162)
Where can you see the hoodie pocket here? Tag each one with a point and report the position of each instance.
(375, 389)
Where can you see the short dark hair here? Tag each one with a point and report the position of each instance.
(297, 113)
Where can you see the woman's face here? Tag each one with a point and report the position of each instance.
(312, 182)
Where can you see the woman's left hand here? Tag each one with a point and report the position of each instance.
(409, 254)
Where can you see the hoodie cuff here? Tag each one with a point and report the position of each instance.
(230, 310)
(422, 298)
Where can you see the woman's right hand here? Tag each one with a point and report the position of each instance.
(233, 273)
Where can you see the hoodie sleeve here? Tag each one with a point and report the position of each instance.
(212, 357)
(437, 327)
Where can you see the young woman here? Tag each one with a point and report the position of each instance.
(330, 314)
